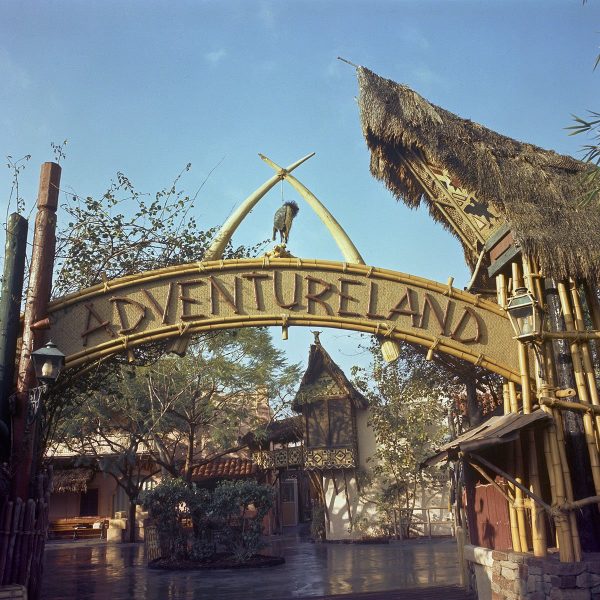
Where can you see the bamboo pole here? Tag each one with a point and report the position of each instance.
(168, 331)
(514, 399)
(519, 503)
(564, 405)
(544, 380)
(236, 264)
(502, 294)
(582, 388)
(506, 397)
(591, 301)
(512, 511)
(557, 487)
(538, 526)
(586, 355)
(560, 442)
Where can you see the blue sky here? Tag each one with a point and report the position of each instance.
(146, 87)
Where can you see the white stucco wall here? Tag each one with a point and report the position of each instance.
(348, 505)
(356, 516)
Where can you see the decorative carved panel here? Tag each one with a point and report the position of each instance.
(282, 458)
(326, 459)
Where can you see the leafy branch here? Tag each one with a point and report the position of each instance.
(590, 126)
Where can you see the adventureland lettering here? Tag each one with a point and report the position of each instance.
(269, 292)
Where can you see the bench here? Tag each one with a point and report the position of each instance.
(78, 528)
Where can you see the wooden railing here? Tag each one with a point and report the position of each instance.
(420, 522)
(308, 458)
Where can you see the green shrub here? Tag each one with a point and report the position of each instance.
(239, 508)
(233, 513)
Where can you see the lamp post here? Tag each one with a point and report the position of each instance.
(526, 316)
(48, 362)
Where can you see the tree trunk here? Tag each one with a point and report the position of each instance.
(131, 520)
(474, 412)
(189, 458)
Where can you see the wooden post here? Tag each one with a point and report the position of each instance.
(463, 568)
(38, 296)
(10, 309)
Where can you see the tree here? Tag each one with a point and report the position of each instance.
(109, 429)
(122, 232)
(228, 384)
(413, 402)
(179, 413)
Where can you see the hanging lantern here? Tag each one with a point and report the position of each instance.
(47, 362)
(390, 350)
(526, 315)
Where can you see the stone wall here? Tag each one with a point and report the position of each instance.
(507, 575)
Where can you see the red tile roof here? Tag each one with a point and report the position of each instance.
(225, 468)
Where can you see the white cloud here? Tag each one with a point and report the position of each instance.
(427, 76)
(267, 15)
(414, 37)
(215, 57)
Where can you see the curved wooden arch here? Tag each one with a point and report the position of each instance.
(187, 299)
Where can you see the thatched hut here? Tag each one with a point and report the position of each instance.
(518, 212)
(536, 192)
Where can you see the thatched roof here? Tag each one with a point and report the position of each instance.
(537, 191)
(282, 431)
(319, 361)
(71, 480)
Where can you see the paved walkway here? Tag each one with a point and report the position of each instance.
(94, 570)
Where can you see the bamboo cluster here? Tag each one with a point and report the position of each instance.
(528, 527)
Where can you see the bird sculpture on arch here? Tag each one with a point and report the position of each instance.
(282, 221)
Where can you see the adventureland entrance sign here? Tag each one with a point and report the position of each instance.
(187, 299)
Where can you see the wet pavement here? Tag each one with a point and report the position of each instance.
(95, 570)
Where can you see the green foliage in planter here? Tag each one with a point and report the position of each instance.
(239, 508)
(167, 507)
(233, 513)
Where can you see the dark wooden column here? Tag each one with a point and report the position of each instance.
(38, 296)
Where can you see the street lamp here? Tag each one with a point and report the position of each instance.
(526, 316)
(47, 363)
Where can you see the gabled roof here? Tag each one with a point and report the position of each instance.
(537, 191)
(320, 362)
